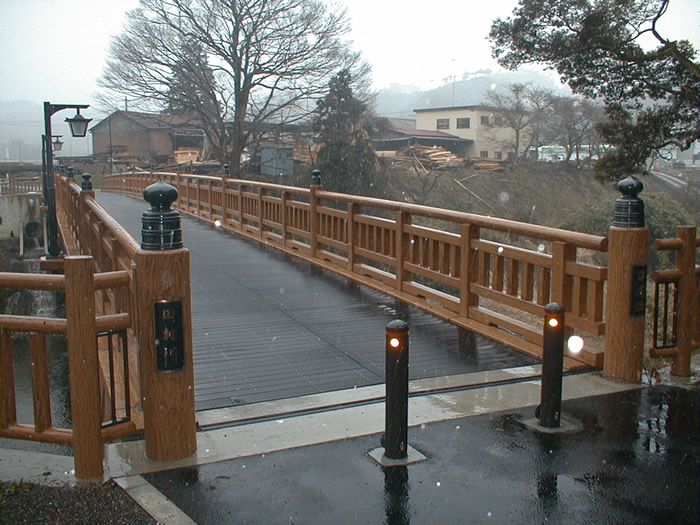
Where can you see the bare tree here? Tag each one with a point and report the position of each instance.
(573, 123)
(516, 112)
(233, 64)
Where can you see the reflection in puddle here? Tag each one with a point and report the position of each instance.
(396, 492)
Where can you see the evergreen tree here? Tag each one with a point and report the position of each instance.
(652, 96)
(346, 157)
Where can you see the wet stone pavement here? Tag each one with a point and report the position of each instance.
(633, 460)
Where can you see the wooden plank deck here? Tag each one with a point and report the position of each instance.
(268, 326)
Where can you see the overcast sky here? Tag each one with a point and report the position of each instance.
(408, 42)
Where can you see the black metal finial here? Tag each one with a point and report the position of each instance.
(160, 226)
(316, 178)
(629, 209)
(227, 170)
(87, 183)
(69, 172)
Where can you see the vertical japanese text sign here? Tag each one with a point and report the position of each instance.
(170, 353)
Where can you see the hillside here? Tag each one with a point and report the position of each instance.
(547, 194)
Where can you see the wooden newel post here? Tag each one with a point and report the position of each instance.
(313, 203)
(628, 245)
(164, 330)
(83, 367)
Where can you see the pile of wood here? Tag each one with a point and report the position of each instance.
(483, 163)
(430, 157)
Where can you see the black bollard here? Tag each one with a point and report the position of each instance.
(160, 226)
(396, 422)
(316, 178)
(552, 366)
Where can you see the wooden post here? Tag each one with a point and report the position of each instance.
(167, 396)
(284, 197)
(469, 268)
(163, 316)
(313, 203)
(403, 219)
(353, 208)
(83, 367)
(628, 244)
(562, 283)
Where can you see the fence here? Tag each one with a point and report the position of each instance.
(20, 185)
(489, 275)
(111, 286)
(676, 325)
(80, 327)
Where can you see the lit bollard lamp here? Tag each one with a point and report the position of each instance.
(396, 421)
(549, 411)
(160, 226)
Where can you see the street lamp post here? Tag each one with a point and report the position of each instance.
(78, 127)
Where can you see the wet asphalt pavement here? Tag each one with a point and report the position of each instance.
(634, 460)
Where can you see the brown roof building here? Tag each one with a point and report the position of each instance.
(138, 138)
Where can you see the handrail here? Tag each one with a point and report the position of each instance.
(582, 240)
(676, 319)
(20, 186)
(80, 320)
(455, 273)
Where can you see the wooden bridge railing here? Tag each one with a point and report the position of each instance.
(80, 327)
(111, 287)
(20, 185)
(167, 398)
(676, 321)
(492, 276)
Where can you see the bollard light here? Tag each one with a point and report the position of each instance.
(549, 411)
(396, 420)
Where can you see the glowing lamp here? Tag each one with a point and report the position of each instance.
(575, 344)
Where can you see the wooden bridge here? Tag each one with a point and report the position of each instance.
(486, 276)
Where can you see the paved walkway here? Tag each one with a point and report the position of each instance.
(631, 458)
(268, 326)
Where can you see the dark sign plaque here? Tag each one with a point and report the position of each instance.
(170, 354)
(639, 291)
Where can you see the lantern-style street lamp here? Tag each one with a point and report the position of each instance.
(56, 143)
(78, 128)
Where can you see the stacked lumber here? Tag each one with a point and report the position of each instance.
(482, 163)
(433, 157)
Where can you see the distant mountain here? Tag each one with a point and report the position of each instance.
(400, 101)
(21, 120)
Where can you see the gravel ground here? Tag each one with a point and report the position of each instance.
(25, 503)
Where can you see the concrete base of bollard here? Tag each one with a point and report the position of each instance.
(565, 426)
(412, 456)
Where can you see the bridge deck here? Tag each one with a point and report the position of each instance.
(269, 326)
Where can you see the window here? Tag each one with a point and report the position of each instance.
(511, 155)
(463, 123)
(484, 154)
(485, 120)
(498, 154)
(443, 123)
